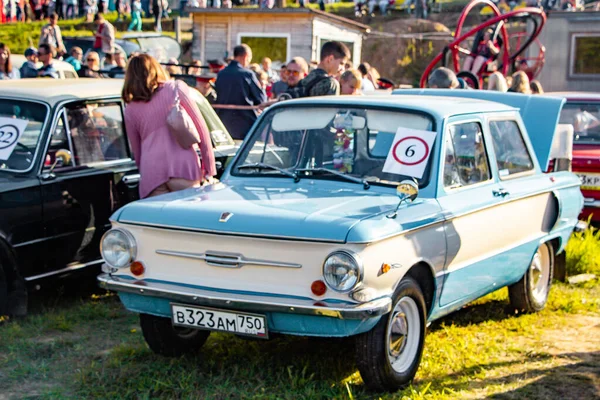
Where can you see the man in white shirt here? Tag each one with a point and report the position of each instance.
(52, 36)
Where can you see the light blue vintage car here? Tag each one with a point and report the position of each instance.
(353, 216)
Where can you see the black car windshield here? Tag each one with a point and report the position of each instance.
(347, 140)
(25, 120)
(585, 118)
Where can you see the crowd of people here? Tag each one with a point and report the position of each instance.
(237, 88)
(519, 82)
(102, 60)
(38, 10)
(240, 91)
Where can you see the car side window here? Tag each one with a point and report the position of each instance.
(97, 132)
(511, 153)
(465, 161)
(59, 144)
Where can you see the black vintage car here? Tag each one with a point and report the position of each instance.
(70, 169)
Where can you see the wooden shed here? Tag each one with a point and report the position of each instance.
(287, 32)
(572, 41)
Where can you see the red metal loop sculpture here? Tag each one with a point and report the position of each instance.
(507, 58)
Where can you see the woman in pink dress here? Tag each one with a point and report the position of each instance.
(164, 165)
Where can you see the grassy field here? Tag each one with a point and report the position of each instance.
(74, 346)
(20, 36)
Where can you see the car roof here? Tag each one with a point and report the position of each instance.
(575, 96)
(439, 107)
(18, 60)
(53, 91)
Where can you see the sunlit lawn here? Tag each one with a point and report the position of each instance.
(93, 348)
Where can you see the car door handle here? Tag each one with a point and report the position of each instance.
(131, 179)
(500, 193)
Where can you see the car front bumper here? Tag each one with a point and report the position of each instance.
(246, 302)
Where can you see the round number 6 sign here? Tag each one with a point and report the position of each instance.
(409, 152)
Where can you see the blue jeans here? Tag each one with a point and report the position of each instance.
(136, 21)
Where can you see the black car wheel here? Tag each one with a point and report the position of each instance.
(388, 356)
(530, 294)
(165, 339)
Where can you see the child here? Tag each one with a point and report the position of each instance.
(485, 50)
(136, 16)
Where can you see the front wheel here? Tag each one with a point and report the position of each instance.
(165, 339)
(388, 356)
(530, 294)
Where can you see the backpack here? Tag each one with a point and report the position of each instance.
(300, 90)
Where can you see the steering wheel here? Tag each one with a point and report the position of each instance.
(19, 144)
(18, 159)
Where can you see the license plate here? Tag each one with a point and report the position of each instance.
(590, 181)
(219, 320)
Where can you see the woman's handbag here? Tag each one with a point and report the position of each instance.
(181, 125)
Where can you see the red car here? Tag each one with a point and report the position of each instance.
(582, 110)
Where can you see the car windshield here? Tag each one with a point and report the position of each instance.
(585, 118)
(329, 141)
(28, 117)
(162, 48)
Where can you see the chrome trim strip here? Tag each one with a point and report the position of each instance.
(34, 241)
(67, 128)
(588, 202)
(227, 233)
(133, 178)
(244, 302)
(227, 260)
(71, 268)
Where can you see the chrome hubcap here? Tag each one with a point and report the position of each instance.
(539, 274)
(398, 334)
(403, 334)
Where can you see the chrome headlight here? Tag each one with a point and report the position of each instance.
(118, 248)
(342, 271)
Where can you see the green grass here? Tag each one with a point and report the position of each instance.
(20, 36)
(583, 253)
(92, 348)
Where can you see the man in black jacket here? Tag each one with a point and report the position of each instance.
(237, 85)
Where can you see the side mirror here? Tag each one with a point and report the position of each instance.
(406, 190)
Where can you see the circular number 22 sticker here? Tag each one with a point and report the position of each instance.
(411, 150)
(8, 136)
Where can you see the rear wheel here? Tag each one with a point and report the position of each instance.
(388, 356)
(165, 339)
(530, 294)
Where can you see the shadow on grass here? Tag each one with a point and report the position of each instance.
(473, 314)
(226, 367)
(574, 381)
(62, 292)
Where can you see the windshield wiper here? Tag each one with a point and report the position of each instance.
(293, 175)
(365, 184)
